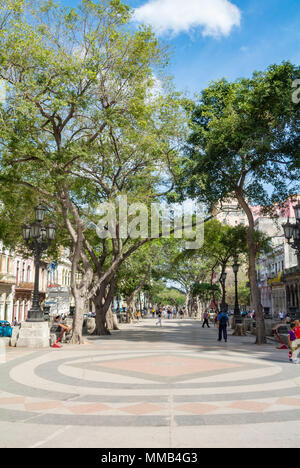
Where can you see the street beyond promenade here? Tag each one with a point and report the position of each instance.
(145, 386)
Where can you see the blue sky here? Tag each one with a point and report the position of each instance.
(267, 32)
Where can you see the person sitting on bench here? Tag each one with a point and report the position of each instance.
(60, 329)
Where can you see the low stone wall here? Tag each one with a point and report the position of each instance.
(5, 341)
(270, 324)
(250, 326)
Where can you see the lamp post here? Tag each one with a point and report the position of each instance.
(237, 312)
(292, 232)
(38, 237)
(223, 282)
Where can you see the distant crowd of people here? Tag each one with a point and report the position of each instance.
(218, 319)
(167, 313)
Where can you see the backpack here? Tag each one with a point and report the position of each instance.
(223, 320)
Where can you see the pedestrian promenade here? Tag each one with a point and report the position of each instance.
(146, 386)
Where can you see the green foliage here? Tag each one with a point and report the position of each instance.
(183, 267)
(160, 294)
(244, 136)
(222, 242)
(243, 294)
(206, 291)
(81, 118)
(135, 272)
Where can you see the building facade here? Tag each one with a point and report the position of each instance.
(278, 274)
(17, 275)
(7, 283)
(229, 212)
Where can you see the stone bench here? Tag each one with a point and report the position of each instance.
(284, 338)
(5, 340)
(239, 330)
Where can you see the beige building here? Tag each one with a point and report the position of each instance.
(272, 267)
(229, 212)
(7, 283)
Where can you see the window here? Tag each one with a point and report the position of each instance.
(28, 274)
(23, 273)
(9, 264)
(18, 273)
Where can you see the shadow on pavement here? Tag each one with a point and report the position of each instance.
(190, 334)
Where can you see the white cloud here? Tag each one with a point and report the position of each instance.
(214, 17)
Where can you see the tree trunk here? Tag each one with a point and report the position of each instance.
(78, 318)
(101, 323)
(115, 322)
(131, 305)
(194, 307)
(131, 310)
(111, 320)
(199, 309)
(102, 301)
(260, 322)
(188, 304)
(80, 290)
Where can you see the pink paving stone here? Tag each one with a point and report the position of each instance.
(196, 408)
(89, 408)
(288, 401)
(12, 400)
(253, 406)
(43, 405)
(168, 366)
(142, 408)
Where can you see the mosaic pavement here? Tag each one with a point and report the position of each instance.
(169, 387)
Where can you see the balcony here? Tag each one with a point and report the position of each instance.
(7, 278)
(24, 286)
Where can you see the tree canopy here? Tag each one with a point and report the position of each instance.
(244, 143)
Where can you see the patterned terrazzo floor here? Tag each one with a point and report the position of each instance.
(174, 386)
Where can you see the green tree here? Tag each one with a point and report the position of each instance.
(221, 244)
(183, 268)
(168, 296)
(135, 275)
(243, 294)
(244, 142)
(206, 292)
(81, 125)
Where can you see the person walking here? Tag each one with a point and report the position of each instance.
(294, 344)
(222, 324)
(216, 319)
(205, 322)
(281, 316)
(297, 329)
(159, 315)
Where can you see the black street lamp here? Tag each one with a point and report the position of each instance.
(223, 282)
(237, 312)
(38, 238)
(292, 232)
